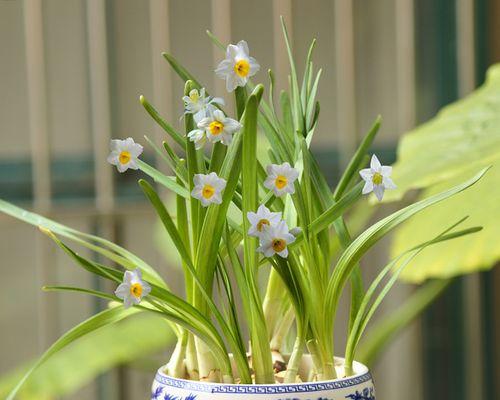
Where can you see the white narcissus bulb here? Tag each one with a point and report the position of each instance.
(200, 105)
(261, 219)
(238, 66)
(281, 178)
(275, 240)
(133, 289)
(124, 154)
(377, 178)
(217, 128)
(208, 188)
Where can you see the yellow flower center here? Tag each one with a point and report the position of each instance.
(208, 191)
(261, 223)
(242, 68)
(281, 181)
(216, 127)
(279, 245)
(136, 290)
(194, 96)
(124, 157)
(377, 178)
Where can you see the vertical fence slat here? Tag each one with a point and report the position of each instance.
(221, 28)
(160, 42)
(345, 76)
(410, 343)
(466, 60)
(405, 64)
(281, 8)
(100, 104)
(466, 73)
(40, 160)
(101, 134)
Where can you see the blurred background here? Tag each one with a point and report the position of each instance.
(71, 73)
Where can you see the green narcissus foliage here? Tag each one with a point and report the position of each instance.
(130, 340)
(462, 138)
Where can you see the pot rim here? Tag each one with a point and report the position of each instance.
(362, 374)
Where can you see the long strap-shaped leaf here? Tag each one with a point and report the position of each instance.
(372, 235)
(110, 250)
(104, 318)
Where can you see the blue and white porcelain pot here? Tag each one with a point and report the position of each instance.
(356, 387)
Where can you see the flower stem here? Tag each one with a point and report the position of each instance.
(294, 362)
(282, 329)
(273, 302)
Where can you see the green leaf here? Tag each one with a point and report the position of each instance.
(129, 340)
(464, 255)
(464, 136)
(92, 324)
(168, 181)
(160, 121)
(386, 328)
(357, 160)
(372, 235)
(110, 250)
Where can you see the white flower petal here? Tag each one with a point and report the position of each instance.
(368, 187)
(366, 174)
(386, 170)
(231, 82)
(375, 163)
(379, 191)
(243, 47)
(254, 66)
(388, 183)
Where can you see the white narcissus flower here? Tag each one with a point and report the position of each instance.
(133, 289)
(261, 219)
(377, 178)
(219, 128)
(124, 154)
(281, 178)
(238, 66)
(208, 188)
(200, 105)
(275, 240)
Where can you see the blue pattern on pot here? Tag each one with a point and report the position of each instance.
(357, 387)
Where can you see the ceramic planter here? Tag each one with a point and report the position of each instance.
(357, 387)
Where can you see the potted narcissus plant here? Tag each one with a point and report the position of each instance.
(241, 215)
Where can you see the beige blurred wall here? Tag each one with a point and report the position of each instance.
(364, 47)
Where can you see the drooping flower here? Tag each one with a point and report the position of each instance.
(218, 127)
(377, 178)
(198, 137)
(133, 289)
(208, 188)
(238, 66)
(200, 105)
(261, 219)
(275, 240)
(124, 154)
(281, 178)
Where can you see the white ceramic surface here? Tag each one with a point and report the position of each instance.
(357, 387)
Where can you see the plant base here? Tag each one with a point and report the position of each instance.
(357, 387)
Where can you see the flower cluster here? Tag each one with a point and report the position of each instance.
(272, 232)
(213, 125)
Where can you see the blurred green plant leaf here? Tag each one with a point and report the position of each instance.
(130, 340)
(463, 137)
(463, 255)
